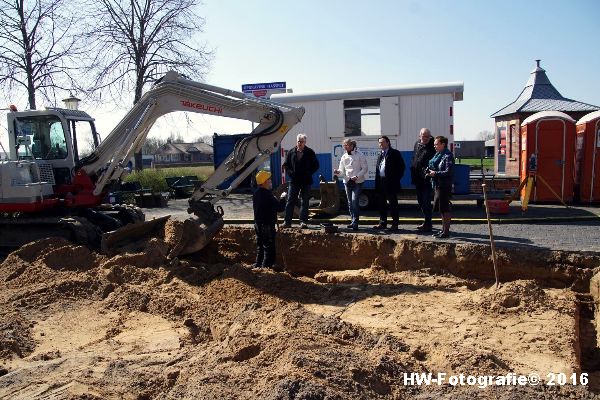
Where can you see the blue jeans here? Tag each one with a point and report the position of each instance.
(293, 191)
(424, 195)
(352, 194)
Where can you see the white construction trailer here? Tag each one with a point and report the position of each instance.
(398, 112)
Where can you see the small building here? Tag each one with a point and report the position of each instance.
(469, 148)
(548, 150)
(538, 95)
(587, 158)
(183, 154)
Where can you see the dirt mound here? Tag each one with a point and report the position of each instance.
(139, 325)
(516, 296)
(235, 334)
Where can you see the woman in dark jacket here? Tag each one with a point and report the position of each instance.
(441, 171)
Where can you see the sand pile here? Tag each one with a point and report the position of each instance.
(236, 337)
(76, 324)
(516, 297)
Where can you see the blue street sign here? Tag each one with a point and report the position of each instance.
(263, 86)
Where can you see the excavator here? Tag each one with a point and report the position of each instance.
(50, 186)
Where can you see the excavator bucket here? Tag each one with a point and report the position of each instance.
(191, 237)
(330, 197)
(195, 236)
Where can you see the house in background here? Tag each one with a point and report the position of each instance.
(538, 95)
(183, 154)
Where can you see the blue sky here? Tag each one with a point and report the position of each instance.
(489, 45)
(333, 44)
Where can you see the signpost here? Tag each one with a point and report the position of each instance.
(264, 90)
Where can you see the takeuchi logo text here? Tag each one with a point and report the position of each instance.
(200, 106)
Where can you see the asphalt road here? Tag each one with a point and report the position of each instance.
(576, 228)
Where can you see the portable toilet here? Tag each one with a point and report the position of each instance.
(587, 157)
(550, 137)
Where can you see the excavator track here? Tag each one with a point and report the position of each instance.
(111, 230)
(16, 232)
(86, 227)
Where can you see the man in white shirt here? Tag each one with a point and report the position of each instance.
(353, 169)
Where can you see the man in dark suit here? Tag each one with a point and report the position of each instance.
(389, 171)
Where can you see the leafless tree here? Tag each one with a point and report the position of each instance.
(137, 41)
(485, 135)
(204, 139)
(38, 48)
(152, 144)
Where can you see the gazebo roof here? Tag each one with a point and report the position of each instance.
(540, 95)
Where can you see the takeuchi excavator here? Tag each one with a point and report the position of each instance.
(59, 171)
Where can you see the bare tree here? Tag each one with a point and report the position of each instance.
(152, 144)
(485, 135)
(38, 49)
(208, 139)
(137, 41)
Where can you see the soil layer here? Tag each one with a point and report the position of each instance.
(79, 325)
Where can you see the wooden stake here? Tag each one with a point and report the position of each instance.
(487, 213)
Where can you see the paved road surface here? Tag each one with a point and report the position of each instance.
(546, 226)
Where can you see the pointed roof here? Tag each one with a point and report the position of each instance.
(540, 95)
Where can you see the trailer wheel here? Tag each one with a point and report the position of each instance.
(364, 201)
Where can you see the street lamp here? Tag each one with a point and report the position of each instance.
(71, 102)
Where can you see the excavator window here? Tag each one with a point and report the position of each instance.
(48, 137)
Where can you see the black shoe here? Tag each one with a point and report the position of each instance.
(287, 225)
(444, 235)
(393, 228)
(380, 225)
(424, 228)
(350, 226)
(354, 227)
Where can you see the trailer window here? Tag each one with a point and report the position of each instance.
(362, 117)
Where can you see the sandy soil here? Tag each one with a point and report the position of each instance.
(78, 325)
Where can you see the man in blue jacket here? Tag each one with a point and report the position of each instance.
(300, 164)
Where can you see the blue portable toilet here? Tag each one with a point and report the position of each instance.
(461, 178)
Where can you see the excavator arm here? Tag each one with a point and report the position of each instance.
(176, 93)
(173, 92)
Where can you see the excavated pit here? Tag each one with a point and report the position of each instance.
(350, 318)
